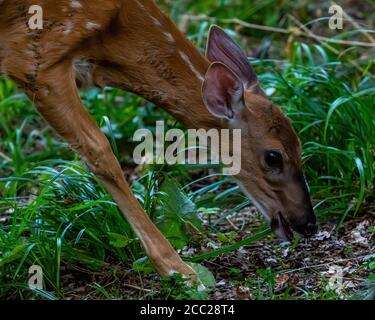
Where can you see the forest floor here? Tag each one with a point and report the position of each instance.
(331, 265)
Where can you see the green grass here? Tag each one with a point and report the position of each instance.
(60, 217)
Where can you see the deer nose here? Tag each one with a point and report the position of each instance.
(311, 229)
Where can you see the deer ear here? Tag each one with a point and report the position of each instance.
(221, 48)
(222, 91)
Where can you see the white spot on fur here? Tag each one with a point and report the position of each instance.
(68, 27)
(92, 26)
(75, 4)
(141, 5)
(191, 66)
(169, 37)
(156, 21)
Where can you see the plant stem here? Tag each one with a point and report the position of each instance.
(230, 248)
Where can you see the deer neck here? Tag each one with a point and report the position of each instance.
(154, 60)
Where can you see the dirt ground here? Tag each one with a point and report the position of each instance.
(331, 265)
(330, 261)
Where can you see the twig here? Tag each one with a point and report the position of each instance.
(4, 156)
(291, 30)
(329, 47)
(229, 248)
(356, 25)
(136, 287)
(255, 26)
(322, 264)
(312, 35)
(299, 33)
(232, 224)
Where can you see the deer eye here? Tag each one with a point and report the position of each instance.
(274, 160)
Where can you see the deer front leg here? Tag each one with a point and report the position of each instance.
(56, 98)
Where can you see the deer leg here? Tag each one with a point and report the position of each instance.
(56, 97)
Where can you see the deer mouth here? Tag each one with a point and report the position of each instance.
(281, 227)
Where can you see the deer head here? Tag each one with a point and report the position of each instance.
(271, 173)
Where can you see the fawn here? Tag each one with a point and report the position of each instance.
(133, 45)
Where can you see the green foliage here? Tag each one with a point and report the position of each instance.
(175, 287)
(70, 220)
(176, 215)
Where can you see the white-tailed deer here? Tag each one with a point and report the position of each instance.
(131, 44)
